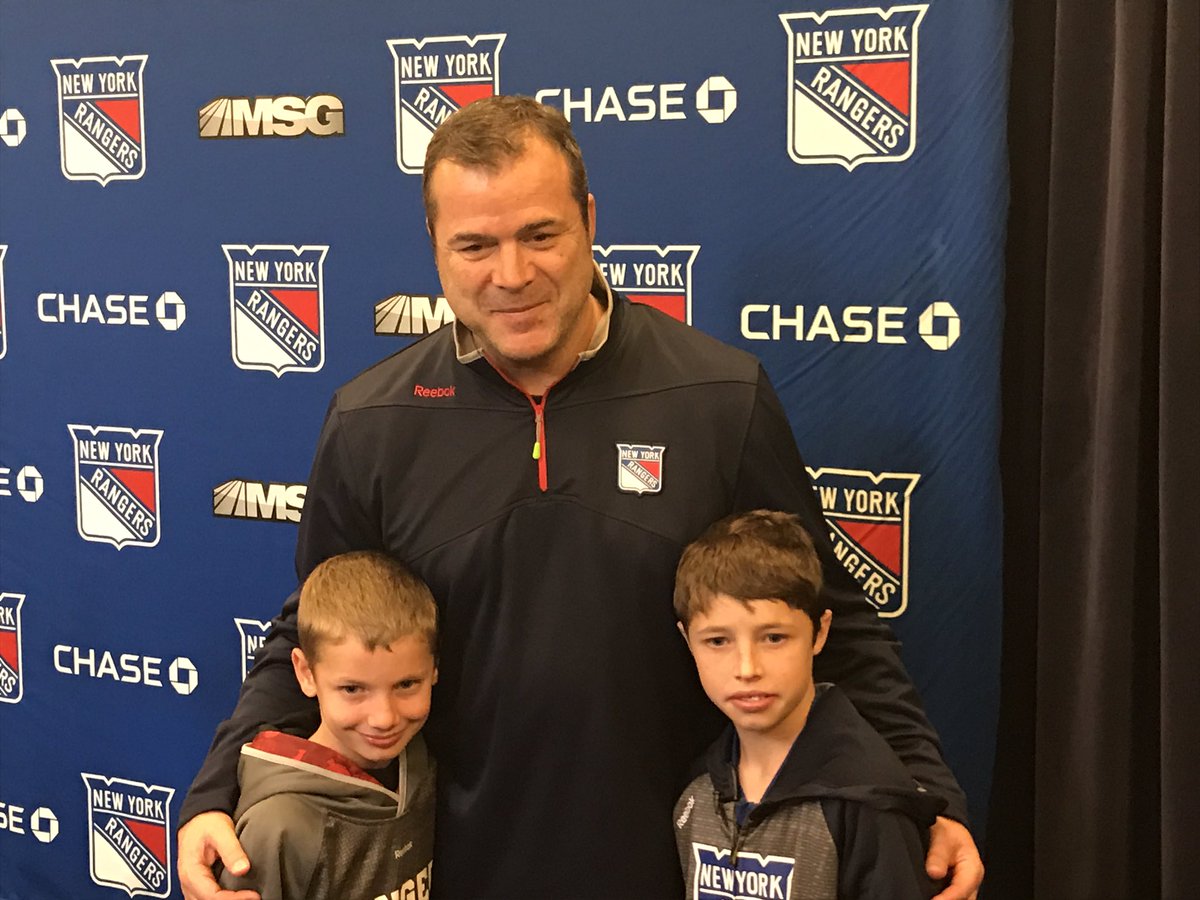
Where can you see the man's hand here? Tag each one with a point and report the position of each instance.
(953, 850)
(202, 841)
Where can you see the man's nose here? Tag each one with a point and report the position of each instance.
(513, 269)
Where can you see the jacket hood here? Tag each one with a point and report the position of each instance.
(850, 761)
(275, 763)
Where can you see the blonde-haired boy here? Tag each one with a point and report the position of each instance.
(348, 812)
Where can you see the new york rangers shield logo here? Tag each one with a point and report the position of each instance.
(253, 634)
(116, 485)
(435, 76)
(101, 124)
(656, 276)
(751, 877)
(852, 84)
(640, 468)
(3, 323)
(868, 519)
(12, 685)
(276, 306)
(129, 833)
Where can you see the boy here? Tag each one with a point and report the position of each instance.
(801, 800)
(348, 813)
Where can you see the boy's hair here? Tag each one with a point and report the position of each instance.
(758, 555)
(366, 595)
(491, 132)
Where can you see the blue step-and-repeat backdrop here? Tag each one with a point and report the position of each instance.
(823, 185)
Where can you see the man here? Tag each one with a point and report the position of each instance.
(541, 465)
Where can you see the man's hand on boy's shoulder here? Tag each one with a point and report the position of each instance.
(952, 851)
(202, 841)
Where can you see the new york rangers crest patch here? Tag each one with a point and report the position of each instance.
(277, 306)
(435, 77)
(640, 468)
(868, 519)
(656, 276)
(116, 485)
(129, 835)
(751, 877)
(12, 683)
(852, 84)
(101, 122)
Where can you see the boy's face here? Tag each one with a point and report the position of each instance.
(372, 701)
(755, 663)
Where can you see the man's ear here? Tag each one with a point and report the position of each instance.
(304, 673)
(822, 632)
(591, 224)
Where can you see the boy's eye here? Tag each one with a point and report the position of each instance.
(715, 642)
(775, 637)
(408, 684)
(350, 689)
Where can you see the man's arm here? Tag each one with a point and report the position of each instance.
(861, 655)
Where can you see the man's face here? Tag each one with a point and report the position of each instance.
(515, 258)
(755, 663)
(372, 701)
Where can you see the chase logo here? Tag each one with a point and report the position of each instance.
(276, 306)
(101, 124)
(3, 323)
(269, 500)
(116, 484)
(868, 519)
(640, 468)
(130, 835)
(411, 314)
(249, 117)
(656, 276)
(753, 878)
(12, 687)
(436, 76)
(253, 634)
(852, 85)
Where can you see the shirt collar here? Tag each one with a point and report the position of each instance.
(467, 349)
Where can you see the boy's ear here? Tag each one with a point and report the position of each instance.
(683, 631)
(303, 672)
(822, 632)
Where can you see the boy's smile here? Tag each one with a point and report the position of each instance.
(755, 663)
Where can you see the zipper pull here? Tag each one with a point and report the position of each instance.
(537, 434)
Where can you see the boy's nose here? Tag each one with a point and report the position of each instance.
(748, 666)
(383, 716)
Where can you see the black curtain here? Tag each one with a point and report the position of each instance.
(1096, 789)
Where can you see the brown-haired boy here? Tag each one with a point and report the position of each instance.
(801, 799)
(349, 811)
